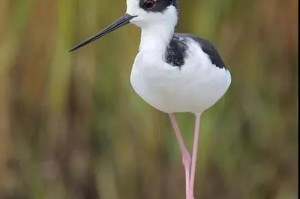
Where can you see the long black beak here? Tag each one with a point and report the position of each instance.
(115, 25)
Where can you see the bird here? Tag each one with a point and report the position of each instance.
(173, 72)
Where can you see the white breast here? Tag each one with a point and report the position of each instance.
(194, 87)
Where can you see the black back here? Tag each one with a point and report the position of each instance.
(177, 50)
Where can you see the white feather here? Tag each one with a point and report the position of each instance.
(194, 87)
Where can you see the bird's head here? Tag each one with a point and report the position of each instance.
(143, 13)
(152, 12)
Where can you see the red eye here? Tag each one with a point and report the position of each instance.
(149, 4)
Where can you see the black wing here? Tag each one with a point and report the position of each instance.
(207, 47)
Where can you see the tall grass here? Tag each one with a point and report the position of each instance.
(72, 127)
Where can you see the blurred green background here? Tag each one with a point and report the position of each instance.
(72, 127)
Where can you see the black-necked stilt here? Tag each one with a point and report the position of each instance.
(172, 72)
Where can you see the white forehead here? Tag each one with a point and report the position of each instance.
(143, 18)
(133, 7)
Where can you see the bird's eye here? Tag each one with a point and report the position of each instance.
(149, 4)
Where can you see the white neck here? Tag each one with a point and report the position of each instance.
(156, 38)
(157, 31)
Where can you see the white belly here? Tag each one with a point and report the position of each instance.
(194, 88)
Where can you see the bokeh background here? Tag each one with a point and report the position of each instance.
(71, 126)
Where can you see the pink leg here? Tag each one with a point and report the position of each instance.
(186, 157)
(194, 156)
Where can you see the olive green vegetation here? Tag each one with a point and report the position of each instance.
(72, 127)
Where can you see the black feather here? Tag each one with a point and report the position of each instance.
(208, 48)
(176, 51)
(160, 5)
